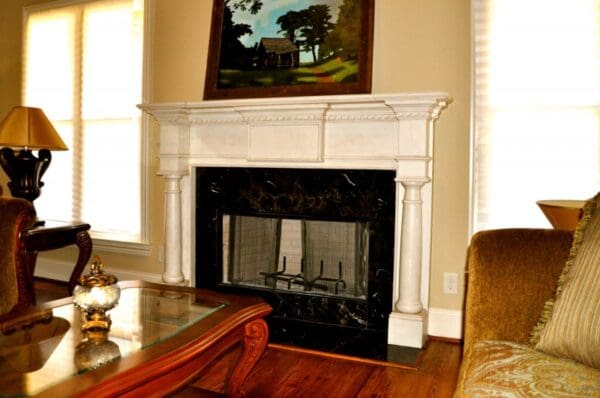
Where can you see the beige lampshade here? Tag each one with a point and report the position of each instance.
(26, 127)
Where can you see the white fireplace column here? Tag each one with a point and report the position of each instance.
(173, 267)
(409, 294)
(407, 325)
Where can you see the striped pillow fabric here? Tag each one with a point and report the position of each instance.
(573, 328)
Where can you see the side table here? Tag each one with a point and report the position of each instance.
(55, 235)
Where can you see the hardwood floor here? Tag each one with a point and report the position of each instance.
(283, 373)
(291, 373)
(48, 290)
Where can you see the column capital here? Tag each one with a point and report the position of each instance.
(412, 181)
(172, 174)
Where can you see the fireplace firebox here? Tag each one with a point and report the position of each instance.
(317, 244)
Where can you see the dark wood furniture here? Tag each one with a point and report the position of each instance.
(167, 336)
(55, 235)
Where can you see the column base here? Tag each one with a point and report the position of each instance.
(407, 330)
(175, 280)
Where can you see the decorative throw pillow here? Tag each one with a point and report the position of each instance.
(570, 326)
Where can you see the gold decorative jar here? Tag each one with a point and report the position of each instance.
(95, 295)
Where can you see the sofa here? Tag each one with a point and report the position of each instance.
(532, 312)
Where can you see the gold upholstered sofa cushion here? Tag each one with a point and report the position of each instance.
(506, 369)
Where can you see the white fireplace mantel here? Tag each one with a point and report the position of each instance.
(386, 132)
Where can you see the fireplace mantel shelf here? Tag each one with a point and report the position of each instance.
(417, 102)
(367, 131)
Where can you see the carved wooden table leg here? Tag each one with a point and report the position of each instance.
(84, 243)
(55, 235)
(255, 341)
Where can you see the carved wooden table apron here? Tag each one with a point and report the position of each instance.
(164, 337)
(55, 235)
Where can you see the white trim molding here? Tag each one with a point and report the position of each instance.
(121, 247)
(445, 323)
(60, 270)
(367, 132)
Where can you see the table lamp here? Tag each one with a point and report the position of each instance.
(25, 129)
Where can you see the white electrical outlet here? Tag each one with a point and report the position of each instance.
(450, 283)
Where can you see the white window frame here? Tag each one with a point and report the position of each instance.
(100, 241)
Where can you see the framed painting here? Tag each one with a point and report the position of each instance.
(275, 48)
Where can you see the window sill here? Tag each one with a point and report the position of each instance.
(121, 247)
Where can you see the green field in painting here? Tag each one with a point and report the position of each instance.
(332, 71)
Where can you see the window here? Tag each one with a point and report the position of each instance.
(536, 107)
(83, 67)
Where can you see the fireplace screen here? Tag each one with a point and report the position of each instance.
(310, 256)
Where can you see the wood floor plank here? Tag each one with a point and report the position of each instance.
(48, 290)
(306, 376)
(283, 373)
(214, 377)
(435, 377)
(442, 361)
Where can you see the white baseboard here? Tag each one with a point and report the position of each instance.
(61, 271)
(445, 323)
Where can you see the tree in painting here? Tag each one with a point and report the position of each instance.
(317, 26)
(313, 24)
(290, 22)
(343, 41)
(253, 6)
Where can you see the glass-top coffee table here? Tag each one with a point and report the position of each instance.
(161, 337)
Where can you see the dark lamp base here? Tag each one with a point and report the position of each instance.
(25, 171)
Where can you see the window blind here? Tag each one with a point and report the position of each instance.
(83, 67)
(536, 107)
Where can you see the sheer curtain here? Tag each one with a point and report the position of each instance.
(83, 67)
(536, 107)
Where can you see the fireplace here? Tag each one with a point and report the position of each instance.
(388, 133)
(317, 244)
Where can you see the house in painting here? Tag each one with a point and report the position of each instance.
(276, 52)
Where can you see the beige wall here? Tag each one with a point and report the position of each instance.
(419, 45)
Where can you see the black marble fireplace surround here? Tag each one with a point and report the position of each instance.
(306, 319)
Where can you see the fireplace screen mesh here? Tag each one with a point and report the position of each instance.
(311, 256)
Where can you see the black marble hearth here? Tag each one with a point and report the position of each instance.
(310, 319)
